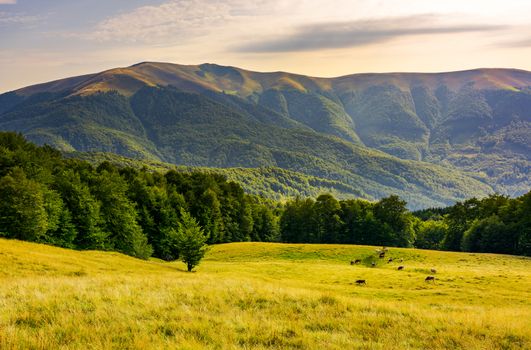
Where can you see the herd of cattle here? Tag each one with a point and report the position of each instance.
(381, 255)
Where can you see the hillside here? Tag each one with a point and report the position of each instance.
(262, 296)
(269, 182)
(377, 133)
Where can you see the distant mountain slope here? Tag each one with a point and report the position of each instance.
(477, 121)
(269, 182)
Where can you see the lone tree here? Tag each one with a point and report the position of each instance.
(190, 241)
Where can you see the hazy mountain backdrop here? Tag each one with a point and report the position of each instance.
(430, 138)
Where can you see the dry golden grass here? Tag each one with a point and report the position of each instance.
(262, 296)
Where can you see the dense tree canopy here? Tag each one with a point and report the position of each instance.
(68, 202)
(327, 220)
(495, 224)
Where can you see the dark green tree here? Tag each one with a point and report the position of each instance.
(22, 207)
(65, 233)
(523, 224)
(210, 216)
(119, 214)
(396, 228)
(430, 234)
(84, 211)
(190, 241)
(297, 223)
(458, 219)
(265, 227)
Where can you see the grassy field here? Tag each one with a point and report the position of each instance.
(263, 296)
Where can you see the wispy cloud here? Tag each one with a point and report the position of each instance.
(359, 33)
(8, 2)
(16, 18)
(523, 43)
(173, 20)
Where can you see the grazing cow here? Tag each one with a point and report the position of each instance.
(430, 278)
(382, 255)
(373, 264)
(390, 260)
(360, 282)
(400, 268)
(433, 271)
(351, 262)
(357, 261)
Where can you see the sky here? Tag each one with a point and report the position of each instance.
(43, 40)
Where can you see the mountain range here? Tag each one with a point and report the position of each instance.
(431, 138)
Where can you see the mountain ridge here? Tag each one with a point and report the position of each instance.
(57, 82)
(474, 122)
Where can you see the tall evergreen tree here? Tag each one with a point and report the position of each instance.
(191, 241)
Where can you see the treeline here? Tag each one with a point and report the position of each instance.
(327, 220)
(67, 202)
(495, 224)
(70, 203)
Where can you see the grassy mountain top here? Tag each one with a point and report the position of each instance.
(244, 83)
(262, 296)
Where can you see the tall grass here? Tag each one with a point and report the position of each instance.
(262, 296)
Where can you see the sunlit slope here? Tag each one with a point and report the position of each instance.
(128, 80)
(262, 296)
(477, 121)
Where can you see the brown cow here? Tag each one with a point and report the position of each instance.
(390, 260)
(382, 255)
(360, 282)
(430, 278)
(400, 268)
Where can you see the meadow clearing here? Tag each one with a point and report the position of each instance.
(263, 296)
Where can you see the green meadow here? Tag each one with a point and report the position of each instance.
(263, 296)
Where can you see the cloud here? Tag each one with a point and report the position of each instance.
(516, 43)
(8, 2)
(16, 18)
(173, 20)
(337, 35)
